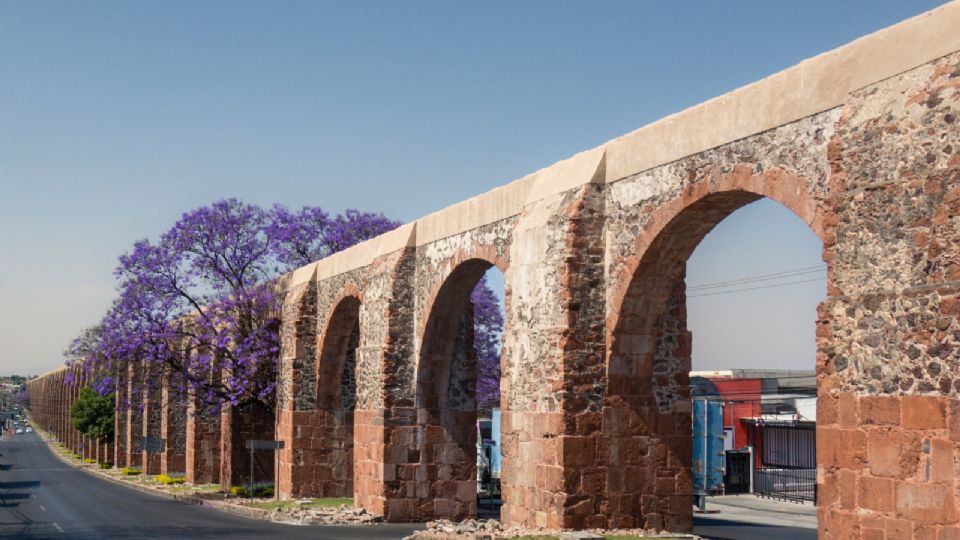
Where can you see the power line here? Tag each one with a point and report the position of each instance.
(756, 288)
(759, 278)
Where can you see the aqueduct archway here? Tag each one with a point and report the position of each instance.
(861, 143)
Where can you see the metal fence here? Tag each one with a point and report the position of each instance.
(785, 460)
(788, 484)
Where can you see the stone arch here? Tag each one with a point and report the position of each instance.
(646, 407)
(336, 395)
(446, 392)
(481, 255)
(740, 188)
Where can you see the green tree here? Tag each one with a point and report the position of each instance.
(92, 414)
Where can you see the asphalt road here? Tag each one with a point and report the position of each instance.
(745, 517)
(723, 529)
(42, 497)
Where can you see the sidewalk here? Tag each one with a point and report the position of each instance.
(761, 511)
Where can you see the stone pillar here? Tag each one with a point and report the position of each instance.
(553, 370)
(238, 425)
(76, 441)
(134, 423)
(202, 452)
(120, 426)
(296, 419)
(173, 426)
(888, 415)
(385, 454)
(53, 414)
(152, 416)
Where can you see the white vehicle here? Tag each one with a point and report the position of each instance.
(29, 430)
(19, 431)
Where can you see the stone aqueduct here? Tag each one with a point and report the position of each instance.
(862, 143)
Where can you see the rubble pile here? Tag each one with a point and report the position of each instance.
(333, 515)
(491, 529)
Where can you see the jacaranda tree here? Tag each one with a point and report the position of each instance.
(200, 303)
(487, 330)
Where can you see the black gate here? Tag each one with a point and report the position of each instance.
(785, 454)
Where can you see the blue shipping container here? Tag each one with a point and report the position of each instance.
(708, 456)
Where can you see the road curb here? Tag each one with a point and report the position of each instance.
(248, 512)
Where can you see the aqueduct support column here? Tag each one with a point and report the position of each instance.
(888, 419)
(134, 413)
(202, 452)
(251, 421)
(296, 417)
(385, 456)
(152, 387)
(553, 363)
(120, 418)
(173, 426)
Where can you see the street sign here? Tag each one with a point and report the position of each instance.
(265, 445)
(153, 445)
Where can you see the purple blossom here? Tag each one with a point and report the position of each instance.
(488, 329)
(198, 304)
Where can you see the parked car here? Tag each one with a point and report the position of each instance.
(19, 431)
(29, 430)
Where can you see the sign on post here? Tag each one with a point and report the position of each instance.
(153, 445)
(266, 445)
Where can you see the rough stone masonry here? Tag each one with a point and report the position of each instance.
(862, 143)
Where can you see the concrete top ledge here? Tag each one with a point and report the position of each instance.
(814, 85)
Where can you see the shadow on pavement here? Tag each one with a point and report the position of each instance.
(19, 485)
(722, 529)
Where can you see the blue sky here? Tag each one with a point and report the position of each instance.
(115, 117)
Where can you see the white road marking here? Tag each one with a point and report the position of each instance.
(42, 508)
(57, 526)
(179, 525)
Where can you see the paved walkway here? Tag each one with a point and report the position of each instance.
(752, 509)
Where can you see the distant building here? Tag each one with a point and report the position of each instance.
(769, 417)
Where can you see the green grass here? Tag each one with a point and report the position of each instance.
(311, 503)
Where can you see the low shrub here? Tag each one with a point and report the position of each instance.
(106, 465)
(259, 490)
(130, 471)
(170, 480)
(89, 460)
